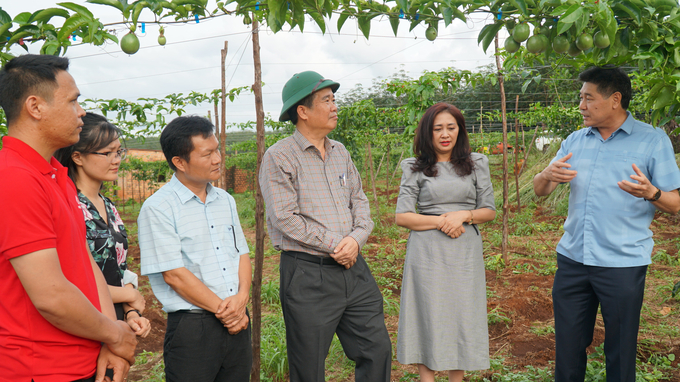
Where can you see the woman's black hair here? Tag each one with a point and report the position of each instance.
(423, 148)
(97, 133)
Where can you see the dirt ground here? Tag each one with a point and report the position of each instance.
(523, 297)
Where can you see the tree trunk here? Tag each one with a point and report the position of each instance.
(506, 209)
(259, 208)
(517, 165)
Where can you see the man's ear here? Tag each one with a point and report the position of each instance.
(179, 163)
(302, 112)
(33, 105)
(617, 99)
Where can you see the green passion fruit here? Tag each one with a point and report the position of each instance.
(511, 46)
(560, 44)
(601, 40)
(431, 33)
(573, 50)
(129, 43)
(521, 32)
(584, 41)
(537, 43)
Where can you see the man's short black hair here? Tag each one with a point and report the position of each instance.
(307, 102)
(176, 137)
(27, 75)
(609, 80)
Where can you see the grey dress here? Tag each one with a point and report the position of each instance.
(443, 322)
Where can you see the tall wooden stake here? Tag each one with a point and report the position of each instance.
(259, 207)
(375, 194)
(506, 207)
(519, 205)
(222, 130)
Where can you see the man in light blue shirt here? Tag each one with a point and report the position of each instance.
(196, 256)
(620, 171)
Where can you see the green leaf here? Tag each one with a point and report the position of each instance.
(526, 85)
(404, 5)
(364, 24)
(487, 34)
(343, 17)
(394, 22)
(319, 20)
(79, 9)
(22, 18)
(447, 14)
(572, 14)
(70, 25)
(46, 14)
(5, 27)
(4, 17)
(631, 9)
(459, 14)
(521, 5)
(112, 3)
(137, 11)
(560, 10)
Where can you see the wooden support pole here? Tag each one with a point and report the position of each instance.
(517, 165)
(221, 130)
(259, 207)
(506, 207)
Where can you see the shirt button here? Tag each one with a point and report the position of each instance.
(212, 227)
(218, 247)
(53, 176)
(224, 269)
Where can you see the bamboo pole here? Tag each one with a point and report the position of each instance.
(259, 207)
(387, 172)
(527, 149)
(396, 168)
(506, 209)
(222, 128)
(516, 169)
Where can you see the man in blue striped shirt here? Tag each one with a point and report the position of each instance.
(620, 171)
(196, 256)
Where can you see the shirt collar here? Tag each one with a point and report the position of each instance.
(304, 144)
(31, 156)
(626, 126)
(186, 194)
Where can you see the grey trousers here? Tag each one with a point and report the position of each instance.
(321, 299)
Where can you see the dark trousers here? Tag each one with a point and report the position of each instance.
(198, 348)
(321, 299)
(577, 291)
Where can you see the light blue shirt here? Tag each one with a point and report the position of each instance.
(607, 226)
(177, 230)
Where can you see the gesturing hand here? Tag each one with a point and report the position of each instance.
(558, 170)
(642, 189)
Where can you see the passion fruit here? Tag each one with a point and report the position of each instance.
(431, 33)
(573, 50)
(162, 40)
(601, 40)
(129, 43)
(560, 44)
(521, 32)
(537, 43)
(511, 46)
(584, 41)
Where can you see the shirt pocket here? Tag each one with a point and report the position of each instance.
(620, 166)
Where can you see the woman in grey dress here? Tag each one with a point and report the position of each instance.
(445, 192)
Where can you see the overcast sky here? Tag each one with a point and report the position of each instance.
(191, 58)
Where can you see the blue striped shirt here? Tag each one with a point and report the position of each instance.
(177, 230)
(607, 226)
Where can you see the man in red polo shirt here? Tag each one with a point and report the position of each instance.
(57, 321)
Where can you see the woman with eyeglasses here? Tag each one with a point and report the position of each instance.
(93, 160)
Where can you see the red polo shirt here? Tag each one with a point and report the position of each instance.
(39, 210)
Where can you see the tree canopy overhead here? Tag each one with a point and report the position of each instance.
(642, 33)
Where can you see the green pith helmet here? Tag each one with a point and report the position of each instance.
(300, 86)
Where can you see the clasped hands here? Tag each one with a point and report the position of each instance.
(558, 171)
(346, 252)
(232, 313)
(452, 223)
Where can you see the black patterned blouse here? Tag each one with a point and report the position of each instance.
(108, 242)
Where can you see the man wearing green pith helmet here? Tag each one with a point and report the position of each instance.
(319, 218)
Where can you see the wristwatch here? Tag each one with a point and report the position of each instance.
(655, 197)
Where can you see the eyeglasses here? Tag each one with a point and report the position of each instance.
(111, 155)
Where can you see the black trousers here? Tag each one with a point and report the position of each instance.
(198, 348)
(321, 299)
(578, 290)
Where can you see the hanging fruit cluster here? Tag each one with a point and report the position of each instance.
(545, 37)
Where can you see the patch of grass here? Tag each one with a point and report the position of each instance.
(494, 262)
(274, 359)
(270, 293)
(246, 209)
(338, 366)
(542, 330)
(496, 316)
(663, 257)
